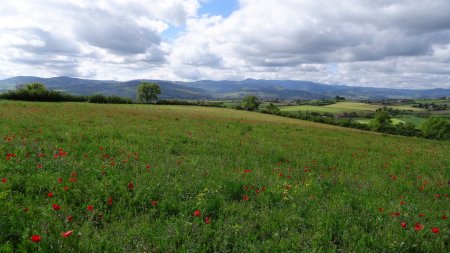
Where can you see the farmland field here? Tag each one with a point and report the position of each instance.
(78, 177)
(342, 107)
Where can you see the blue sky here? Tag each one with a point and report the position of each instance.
(219, 7)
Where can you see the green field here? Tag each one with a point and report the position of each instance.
(137, 178)
(394, 121)
(342, 107)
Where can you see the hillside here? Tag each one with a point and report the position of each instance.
(207, 89)
(140, 178)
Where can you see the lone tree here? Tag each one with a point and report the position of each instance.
(382, 122)
(147, 92)
(250, 103)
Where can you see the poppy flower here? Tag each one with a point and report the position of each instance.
(50, 194)
(130, 186)
(4, 180)
(402, 202)
(66, 188)
(197, 213)
(435, 230)
(72, 179)
(25, 210)
(245, 197)
(36, 238)
(56, 207)
(39, 166)
(437, 195)
(69, 218)
(110, 201)
(395, 214)
(421, 214)
(394, 177)
(444, 217)
(60, 180)
(90, 207)
(154, 202)
(207, 220)
(381, 209)
(67, 234)
(403, 224)
(418, 226)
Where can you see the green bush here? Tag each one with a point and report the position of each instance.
(436, 128)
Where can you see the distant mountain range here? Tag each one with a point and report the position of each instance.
(206, 89)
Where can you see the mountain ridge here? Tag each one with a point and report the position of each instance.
(209, 89)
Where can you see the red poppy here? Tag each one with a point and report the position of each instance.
(435, 230)
(69, 218)
(110, 201)
(72, 179)
(381, 209)
(4, 180)
(418, 226)
(50, 194)
(395, 214)
(60, 180)
(67, 234)
(130, 186)
(444, 217)
(421, 214)
(207, 220)
(403, 224)
(154, 202)
(247, 171)
(394, 177)
(437, 195)
(36, 238)
(402, 202)
(197, 213)
(245, 197)
(66, 188)
(56, 207)
(39, 166)
(90, 207)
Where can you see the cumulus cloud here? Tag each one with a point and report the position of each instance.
(283, 37)
(403, 43)
(63, 38)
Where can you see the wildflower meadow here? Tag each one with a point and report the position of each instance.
(79, 177)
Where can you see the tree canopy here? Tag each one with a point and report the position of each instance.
(250, 103)
(147, 92)
(436, 128)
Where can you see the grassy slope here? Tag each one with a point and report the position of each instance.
(327, 197)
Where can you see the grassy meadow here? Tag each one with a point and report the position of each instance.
(78, 177)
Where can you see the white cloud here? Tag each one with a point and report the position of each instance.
(403, 43)
(283, 39)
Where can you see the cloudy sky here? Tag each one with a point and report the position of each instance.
(384, 43)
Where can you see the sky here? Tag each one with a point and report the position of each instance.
(378, 43)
